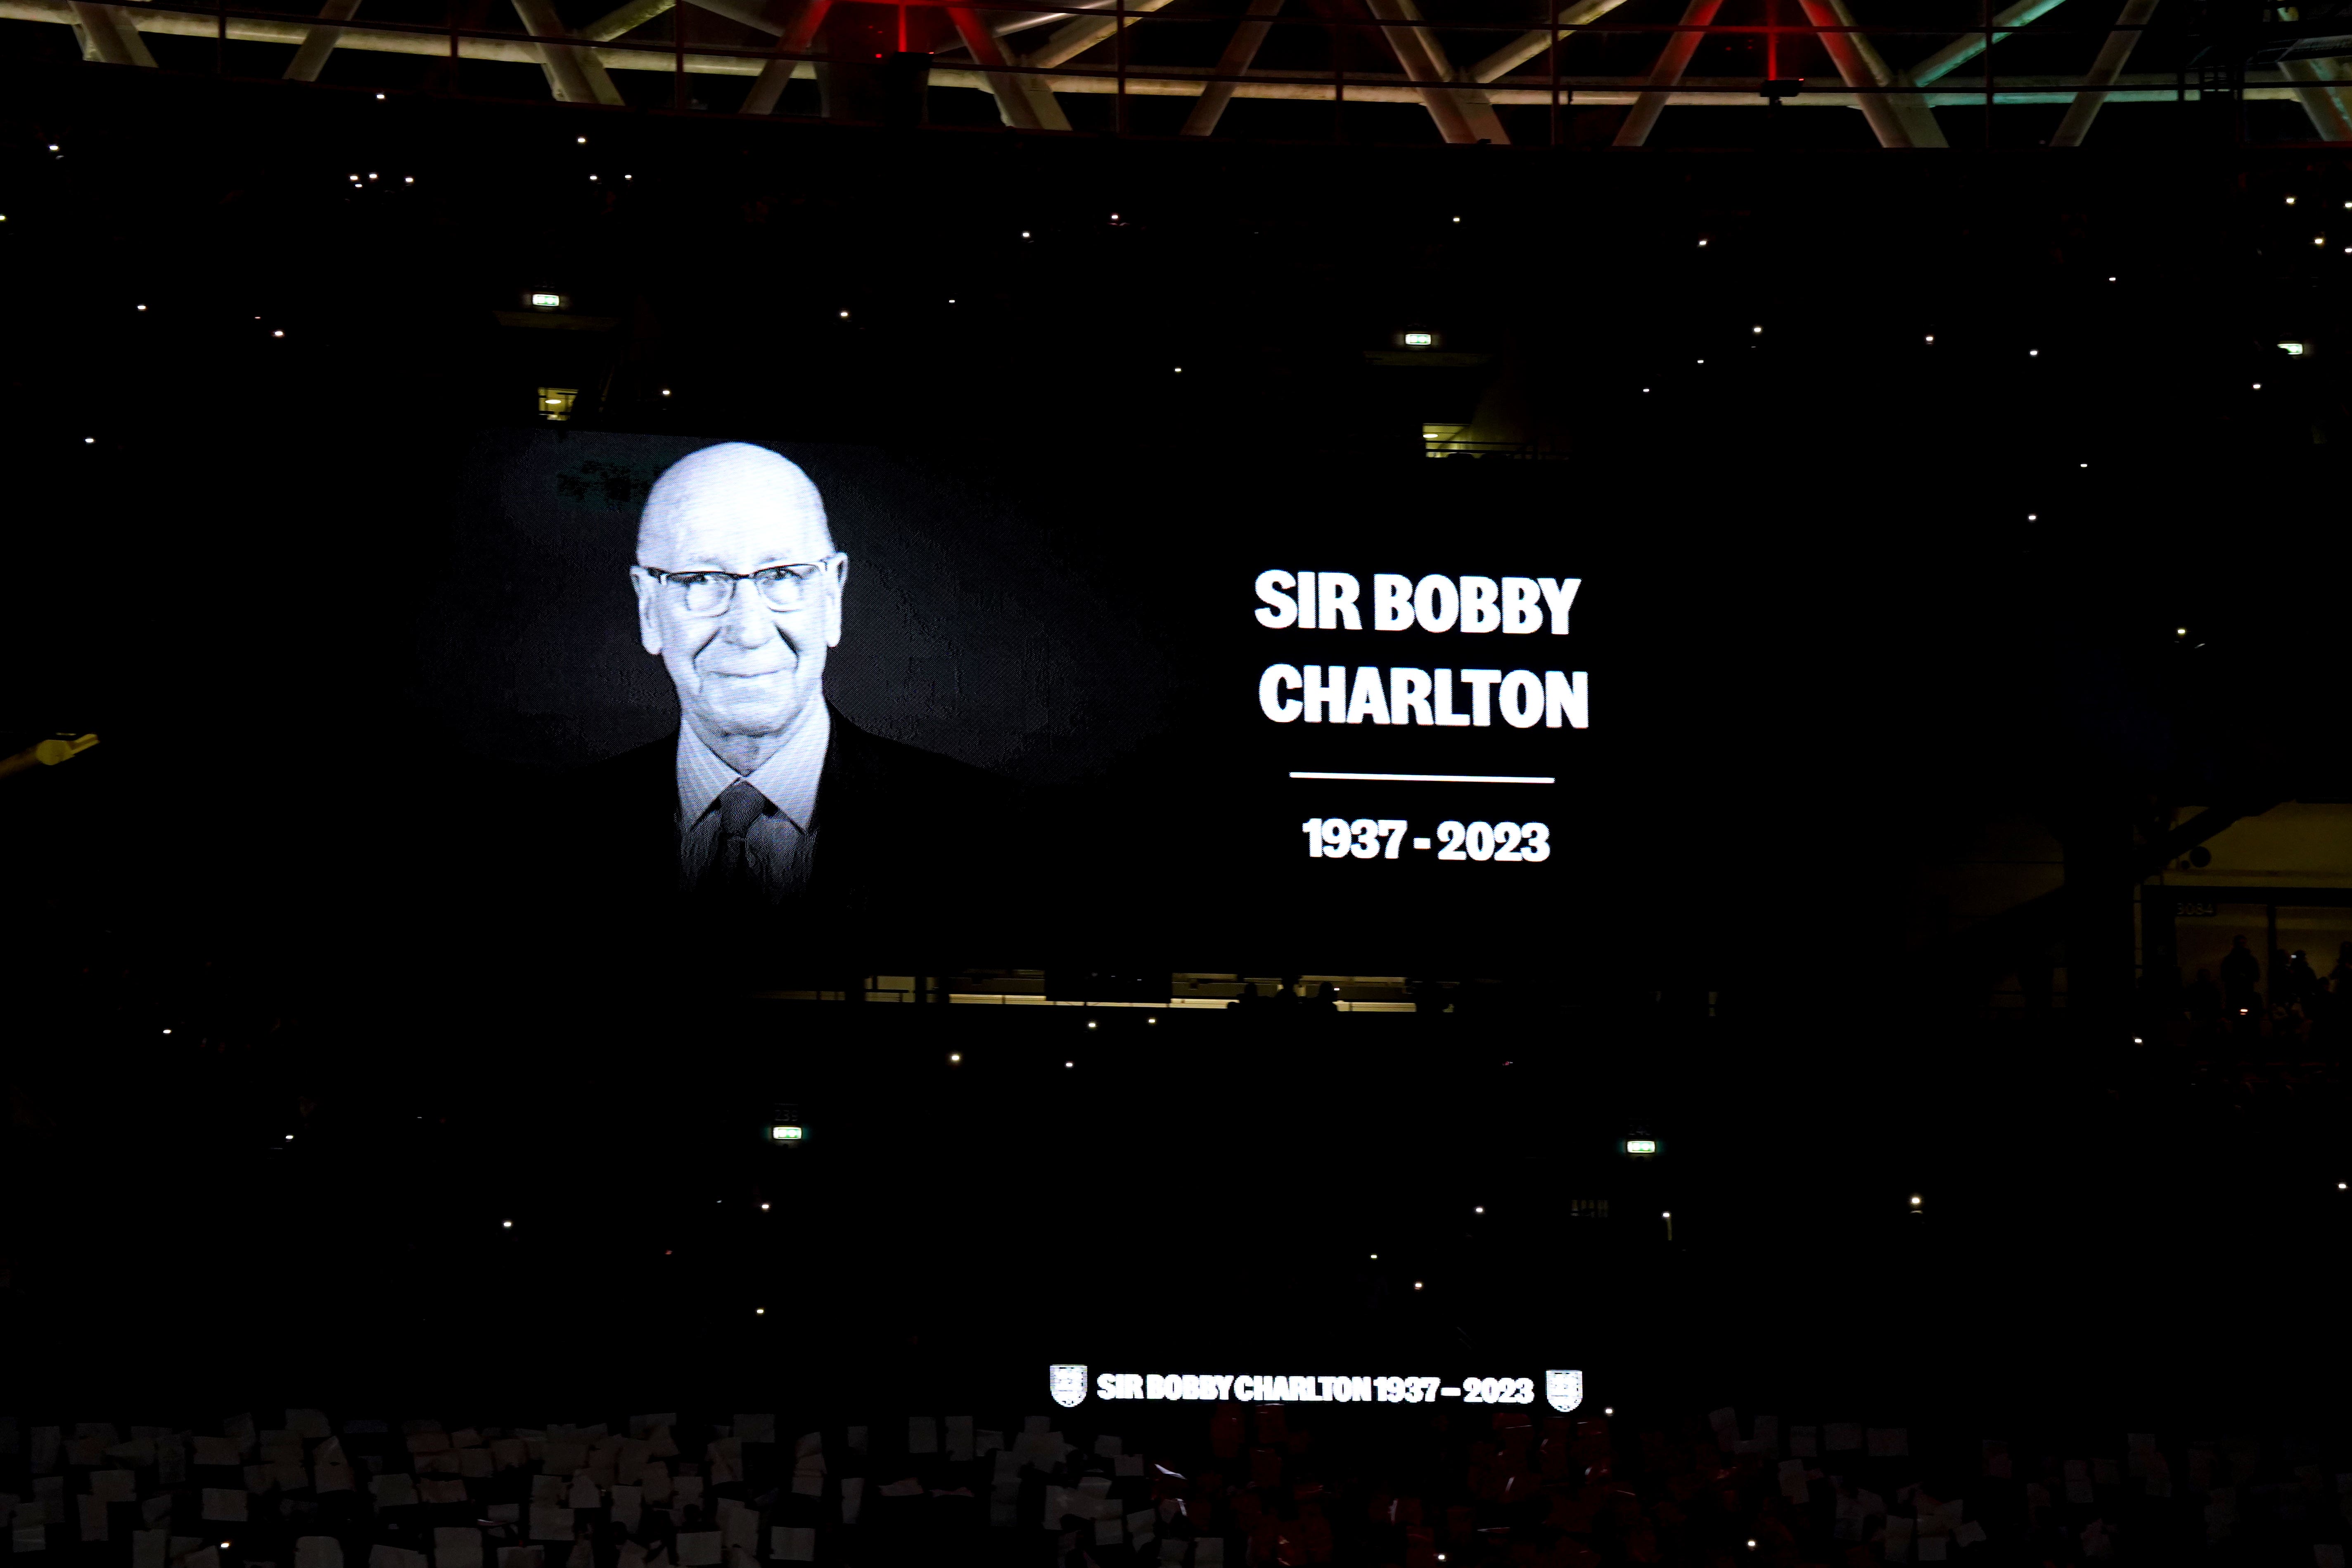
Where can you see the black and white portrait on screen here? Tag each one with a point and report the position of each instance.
(767, 797)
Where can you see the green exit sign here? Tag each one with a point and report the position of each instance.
(787, 1133)
(1639, 1146)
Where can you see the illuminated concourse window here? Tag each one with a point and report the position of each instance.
(556, 402)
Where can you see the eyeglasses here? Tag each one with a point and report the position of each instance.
(710, 593)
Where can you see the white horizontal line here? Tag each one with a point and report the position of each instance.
(1432, 778)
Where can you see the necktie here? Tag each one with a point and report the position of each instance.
(735, 868)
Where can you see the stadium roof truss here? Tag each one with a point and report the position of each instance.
(1647, 56)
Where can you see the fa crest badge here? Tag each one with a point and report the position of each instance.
(1564, 1389)
(1068, 1385)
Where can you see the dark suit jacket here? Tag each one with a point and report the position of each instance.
(908, 842)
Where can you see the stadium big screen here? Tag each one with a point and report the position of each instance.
(520, 695)
(881, 701)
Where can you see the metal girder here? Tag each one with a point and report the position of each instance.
(1968, 45)
(662, 58)
(625, 17)
(1022, 24)
(1048, 18)
(1025, 102)
(1673, 61)
(2114, 55)
(793, 22)
(1528, 46)
(1082, 32)
(579, 77)
(800, 29)
(2330, 117)
(2330, 111)
(109, 35)
(1240, 54)
(312, 57)
(1899, 119)
(771, 17)
(133, 43)
(1463, 114)
(1028, 21)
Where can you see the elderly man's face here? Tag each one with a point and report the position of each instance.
(752, 669)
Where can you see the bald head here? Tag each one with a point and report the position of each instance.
(738, 499)
(749, 668)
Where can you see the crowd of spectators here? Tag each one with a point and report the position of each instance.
(2299, 1005)
(1209, 1486)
